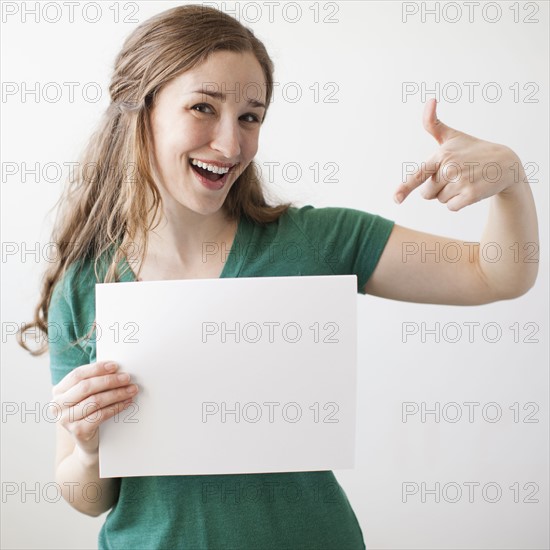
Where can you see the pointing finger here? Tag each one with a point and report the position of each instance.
(417, 178)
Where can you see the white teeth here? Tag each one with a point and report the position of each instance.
(210, 167)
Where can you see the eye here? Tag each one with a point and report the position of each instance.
(201, 105)
(255, 118)
(249, 117)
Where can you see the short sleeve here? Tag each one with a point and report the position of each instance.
(353, 240)
(65, 354)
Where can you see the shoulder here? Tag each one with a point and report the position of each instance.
(333, 220)
(319, 224)
(318, 213)
(70, 314)
(75, 286)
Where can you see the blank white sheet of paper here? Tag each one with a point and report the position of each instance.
(235, 375)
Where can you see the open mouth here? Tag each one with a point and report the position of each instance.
(212, 176)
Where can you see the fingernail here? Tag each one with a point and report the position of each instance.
(123, 377)
(398, 198)
(110, 367)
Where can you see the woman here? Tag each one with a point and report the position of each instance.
(169, 171)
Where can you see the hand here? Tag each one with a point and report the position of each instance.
(88, 396)
(465, 169)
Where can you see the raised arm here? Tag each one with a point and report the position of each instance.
(426, 268)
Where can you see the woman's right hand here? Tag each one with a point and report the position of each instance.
(89, 395)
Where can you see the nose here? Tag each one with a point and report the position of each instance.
(227, 137)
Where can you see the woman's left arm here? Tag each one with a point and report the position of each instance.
(425, 268)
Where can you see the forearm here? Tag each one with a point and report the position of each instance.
(78, 477)
(512, 225)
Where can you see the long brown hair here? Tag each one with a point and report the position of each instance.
(108, 204)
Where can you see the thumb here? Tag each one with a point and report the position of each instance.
(441, 132)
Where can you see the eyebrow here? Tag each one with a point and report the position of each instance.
(222, 96)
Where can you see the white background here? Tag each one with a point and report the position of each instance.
(368, 52)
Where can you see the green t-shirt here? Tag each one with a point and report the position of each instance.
(290, 510)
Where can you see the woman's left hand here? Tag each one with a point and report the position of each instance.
(464, 170)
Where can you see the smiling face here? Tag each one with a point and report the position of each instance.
(204, 121)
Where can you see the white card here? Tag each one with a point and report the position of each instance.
(280, 399)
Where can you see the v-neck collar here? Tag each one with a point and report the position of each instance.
(233, 263)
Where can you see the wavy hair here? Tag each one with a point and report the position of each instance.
(107, 205)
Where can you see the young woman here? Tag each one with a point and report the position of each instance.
(169, 170)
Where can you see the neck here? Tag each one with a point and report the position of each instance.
(184, 238)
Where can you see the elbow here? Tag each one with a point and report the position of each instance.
(521, 286)
(522, 291)
(519, 291)
(508, 286)
(528, 282)
(86, 508)
(92, 513)
(78, 501)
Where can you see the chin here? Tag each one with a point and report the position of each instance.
(205, 208)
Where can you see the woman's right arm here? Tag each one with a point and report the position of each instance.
(86, 397)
